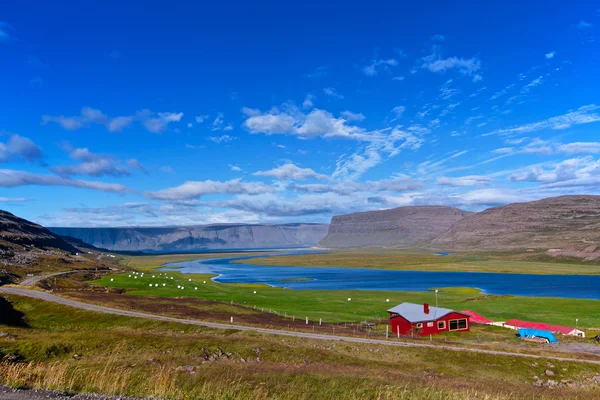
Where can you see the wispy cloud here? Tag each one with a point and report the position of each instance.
(220, 125)
(196, 189)
(291, 172)
(94, 164)
(19, 147)
(332, 92)
(220, 139)
(153, 122)
(376, 65)
(201, 118)
(463, 181)
(13, 178)
(583, 115)
(550, 55)
(350, 116)
(435, 63)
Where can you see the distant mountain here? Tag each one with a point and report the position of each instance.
(20, 233)
(555, 222)
(398, 227)
(188, 238)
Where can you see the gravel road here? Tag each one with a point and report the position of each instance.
(316, 336)
(7, 393)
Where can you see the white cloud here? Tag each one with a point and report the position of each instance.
(20, 147)
(398, 111)
(219, 124)
(477, 78)
(13, 178)
(486, 197)
(550, 55)
(234, 168)
(463, 181)
(195, 189)
(372, 69)
(579, 148)
(350, 188)
(332, 92)
(567, 170)
(201, 118)
(398, 78)
(350, 116)
(220, 139)
(308, 101)
(582, 115)
(291, 172)
(13, 200)
(439, 38)
(250, 112)
(502, 92)
(536, 82)
(435, 63)
(155, 123)
(93, 165)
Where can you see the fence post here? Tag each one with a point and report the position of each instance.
(306, 320)
(319, 321)
(386, 332)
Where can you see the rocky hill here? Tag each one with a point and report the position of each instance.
(398, 227)
(556, 222)
(184, 238)
(15, 231)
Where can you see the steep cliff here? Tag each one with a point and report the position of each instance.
(181, 238)
(398, 227)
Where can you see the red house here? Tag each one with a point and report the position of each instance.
(423, 320)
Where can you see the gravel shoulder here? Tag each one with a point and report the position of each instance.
(8, 393)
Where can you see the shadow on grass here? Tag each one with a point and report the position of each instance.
(11, 317)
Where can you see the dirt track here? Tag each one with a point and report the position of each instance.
(315, 336)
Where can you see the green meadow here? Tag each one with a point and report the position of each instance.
(79, 351)
(334, 306)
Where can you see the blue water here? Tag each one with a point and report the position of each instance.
(333, 278)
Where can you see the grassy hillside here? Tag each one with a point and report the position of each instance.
(80, 351)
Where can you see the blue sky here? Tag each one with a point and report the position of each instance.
(177, 113)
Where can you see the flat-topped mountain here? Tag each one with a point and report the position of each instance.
(555, 222)
(183, 238)
(398, 227)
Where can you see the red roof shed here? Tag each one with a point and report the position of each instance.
(477, 318)
(565, 330)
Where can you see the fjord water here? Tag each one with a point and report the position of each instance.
(336, 278)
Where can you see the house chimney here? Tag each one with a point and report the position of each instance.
(426, 308)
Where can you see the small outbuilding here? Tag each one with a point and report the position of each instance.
(422, 320)
(563, 330)
(477, 318)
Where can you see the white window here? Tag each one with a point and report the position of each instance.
(458, 324)
(441, 324)
(429, 324)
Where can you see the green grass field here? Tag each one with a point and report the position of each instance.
(79, 351)
(401, 260)
(333, 305)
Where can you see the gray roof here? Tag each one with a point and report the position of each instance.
(415, 312)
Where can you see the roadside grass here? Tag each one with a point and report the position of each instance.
(333, 305)
(81, 351)
(509, 262)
